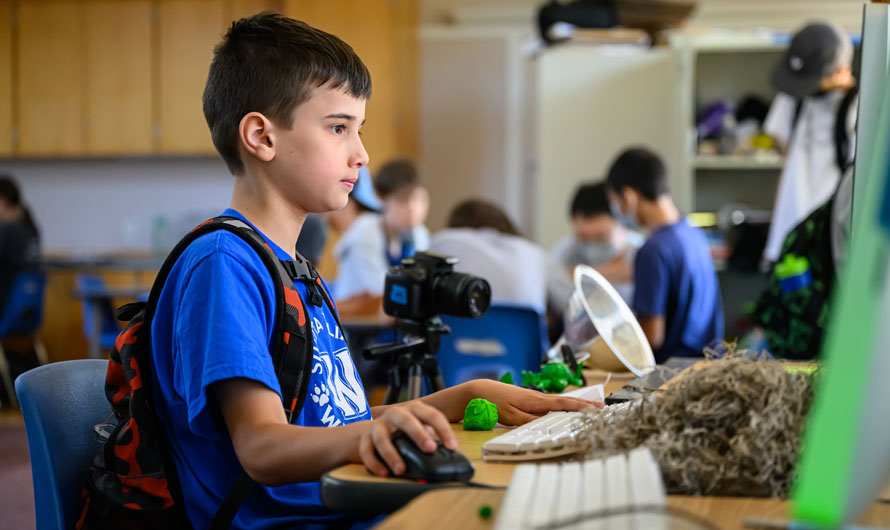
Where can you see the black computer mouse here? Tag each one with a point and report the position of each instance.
(442, 465)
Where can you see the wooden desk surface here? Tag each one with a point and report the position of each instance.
(459, 508)
(470, 443)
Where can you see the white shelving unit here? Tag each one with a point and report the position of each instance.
(727, 66)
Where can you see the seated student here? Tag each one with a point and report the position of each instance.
(19, 236)
(676, 297)
(376, 241)
(484, 240)
(598, 240)
(284, 103)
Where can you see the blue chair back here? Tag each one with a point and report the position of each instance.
(108, 326)
(506, 338)
(23, 310)
(61, 402)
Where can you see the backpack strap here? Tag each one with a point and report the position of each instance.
(841, 135)
(291, 350)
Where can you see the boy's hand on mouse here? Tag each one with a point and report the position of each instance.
(517, 406)
(421, 422)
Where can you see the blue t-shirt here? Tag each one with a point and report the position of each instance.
(675, 278)
(214, 321)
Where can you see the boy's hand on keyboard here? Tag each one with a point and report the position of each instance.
(517, 406)
(421, 422)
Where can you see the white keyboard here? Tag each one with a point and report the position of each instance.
(595, 494)
(555, 434)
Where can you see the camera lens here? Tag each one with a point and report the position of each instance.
(462, 295)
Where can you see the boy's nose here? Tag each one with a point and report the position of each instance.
(360, 158)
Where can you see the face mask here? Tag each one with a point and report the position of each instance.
(629, 220)
(595, 253)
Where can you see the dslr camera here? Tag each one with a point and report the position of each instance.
(425, 285)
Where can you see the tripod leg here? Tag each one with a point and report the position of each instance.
(415, 378)
(431, 370)
(394, 388)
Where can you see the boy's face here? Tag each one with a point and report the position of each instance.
(404, 209)
(317, 160)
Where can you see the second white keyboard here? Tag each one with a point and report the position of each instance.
(621, 492)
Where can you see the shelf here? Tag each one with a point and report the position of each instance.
(738, 162)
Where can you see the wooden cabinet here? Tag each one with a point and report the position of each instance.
(50, 81)
(112, 78)
(118, 78)
(6, 78)
(187, 32)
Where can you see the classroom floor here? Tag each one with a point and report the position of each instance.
(16, 488)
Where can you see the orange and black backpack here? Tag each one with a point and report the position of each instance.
(132, 482)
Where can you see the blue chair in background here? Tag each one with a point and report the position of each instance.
(506, 338)
(21, 315)
(61, 403)
(100, 326)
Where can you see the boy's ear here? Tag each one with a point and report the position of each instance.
(257, 136)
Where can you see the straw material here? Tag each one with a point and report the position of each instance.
(732, 427)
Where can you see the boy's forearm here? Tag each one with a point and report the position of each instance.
(452, 401)
(283, 454)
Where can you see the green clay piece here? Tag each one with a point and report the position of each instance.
(481, 415)
(791, 266)
(485, 511)
(553, 378)
(507, 378)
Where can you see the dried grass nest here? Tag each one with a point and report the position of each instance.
(732, 428)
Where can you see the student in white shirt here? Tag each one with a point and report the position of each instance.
(390, 229)
(814, 114)
(487, 244)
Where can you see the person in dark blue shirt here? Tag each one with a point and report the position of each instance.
(677, 297)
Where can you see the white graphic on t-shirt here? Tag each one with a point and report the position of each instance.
(337, 390)
(320, 395)
(343, 385)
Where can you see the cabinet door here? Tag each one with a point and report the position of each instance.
(5, 78)
(118, 78)
(51, 80)
(187, 32)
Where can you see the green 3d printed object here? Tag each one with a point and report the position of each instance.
(481, 415)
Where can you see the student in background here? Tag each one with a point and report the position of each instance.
(363, 204)
(676, 296)
(598, 240)
(487, 244)
(814, 115)
(376, 241)
(19, 236)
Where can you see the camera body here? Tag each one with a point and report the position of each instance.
(425, 285)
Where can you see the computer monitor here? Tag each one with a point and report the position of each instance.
(845, 458)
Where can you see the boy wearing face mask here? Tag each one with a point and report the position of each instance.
(676, 298)
(598, 240)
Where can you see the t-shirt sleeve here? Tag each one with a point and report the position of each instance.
(221, 331)
(651, 283)
(779, 120)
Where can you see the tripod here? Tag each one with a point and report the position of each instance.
(411, 360)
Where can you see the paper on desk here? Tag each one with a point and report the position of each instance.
(590, 393)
